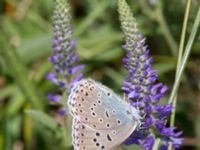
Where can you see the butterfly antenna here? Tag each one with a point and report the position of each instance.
(124, 97)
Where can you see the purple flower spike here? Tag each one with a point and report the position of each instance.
(141, 88)
(64, 54)
(64, 57)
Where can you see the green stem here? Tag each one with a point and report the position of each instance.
(67, 119)
(64, 100)
(156, 144)
(20, 73)
(181, 47)
(27, 128)
(185, 56)
(183, 63)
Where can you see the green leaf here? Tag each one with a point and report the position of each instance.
(135, 147)
(44, 119)
(164, 67)
(35, 47)
(15, 104)
(7, 91)
(131, 147)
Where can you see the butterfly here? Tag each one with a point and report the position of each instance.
(101, 119)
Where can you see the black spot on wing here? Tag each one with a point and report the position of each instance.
(108, 137)
(107, 114)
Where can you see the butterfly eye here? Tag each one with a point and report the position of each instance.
(128, 112)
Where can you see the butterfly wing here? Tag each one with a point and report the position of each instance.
(101, 111)
(87, 138)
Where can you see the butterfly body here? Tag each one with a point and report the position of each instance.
(101, 119)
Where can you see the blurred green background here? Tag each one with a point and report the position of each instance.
(25, 45)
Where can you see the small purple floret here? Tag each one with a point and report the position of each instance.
(54, 98)
(147, 144)
(62, 112)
